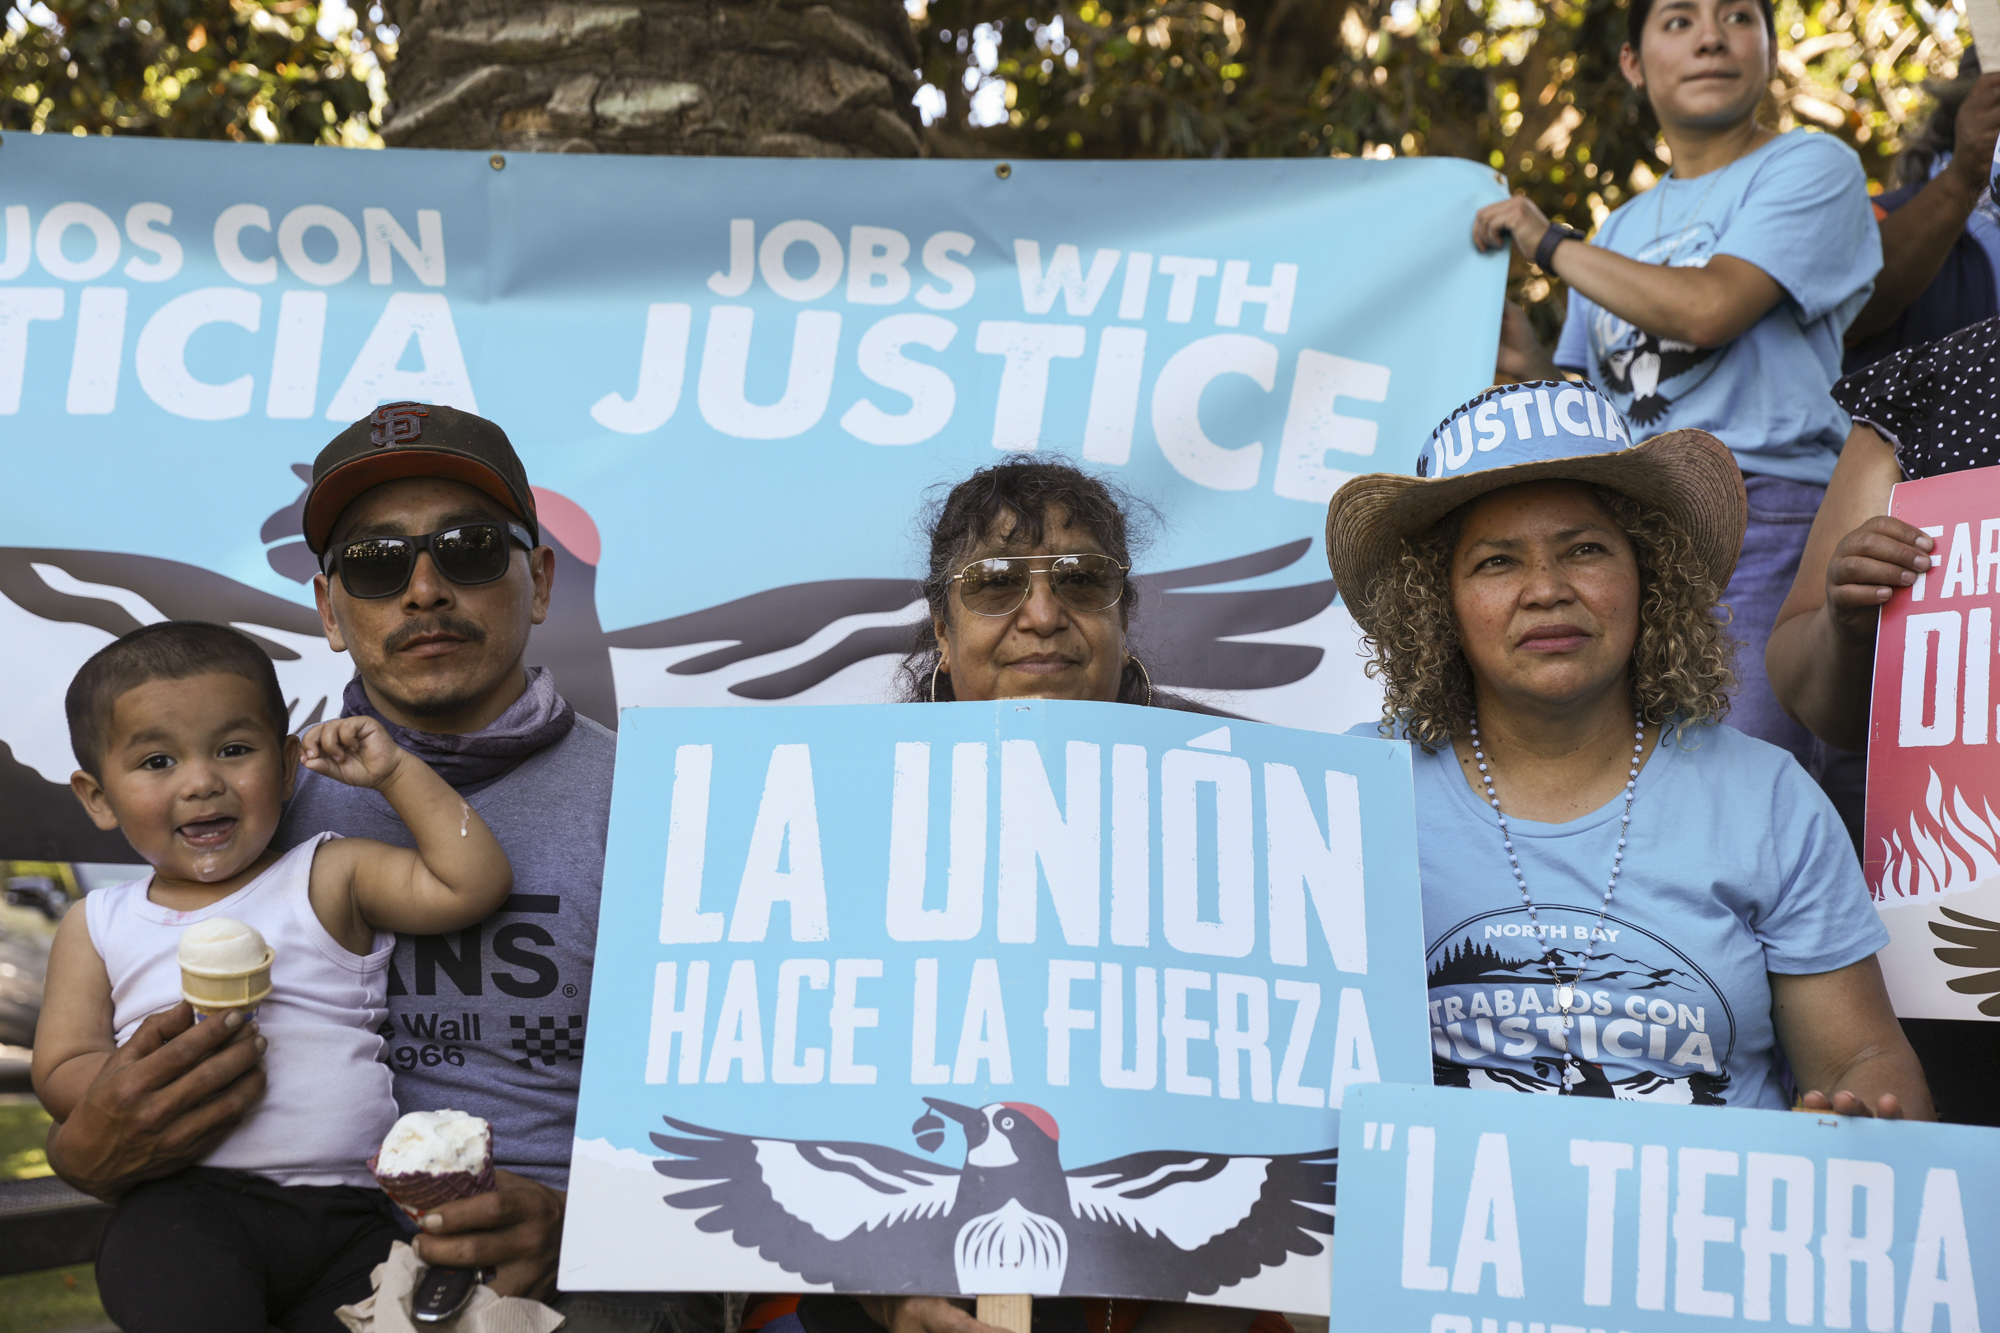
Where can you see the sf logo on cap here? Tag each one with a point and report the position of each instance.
(396, 423)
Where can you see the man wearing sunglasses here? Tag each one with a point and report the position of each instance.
(432, 574)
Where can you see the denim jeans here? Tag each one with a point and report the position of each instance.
(1781, 515)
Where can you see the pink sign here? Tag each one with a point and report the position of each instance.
(1932, 845)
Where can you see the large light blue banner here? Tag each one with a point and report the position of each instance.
(1486, 1212)
(989, 998)
(733, 381)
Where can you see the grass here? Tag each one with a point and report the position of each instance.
(24, 1127)
(60, 1298)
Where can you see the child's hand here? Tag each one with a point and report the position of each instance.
(353, 750)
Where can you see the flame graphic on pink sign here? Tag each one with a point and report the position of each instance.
(1948, 848)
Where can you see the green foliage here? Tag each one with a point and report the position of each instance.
(187, 69)
(1529, 87)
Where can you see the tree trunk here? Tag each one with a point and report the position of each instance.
(771, 78)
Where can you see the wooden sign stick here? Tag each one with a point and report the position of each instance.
(1983, 17)
(1014, 1313)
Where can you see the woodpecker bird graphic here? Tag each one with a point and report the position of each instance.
(1166, 1225)
(1641, 368)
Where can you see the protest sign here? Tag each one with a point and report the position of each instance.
(734, 381)
(1020, 997)
(1931, 838)
(1474, 1212)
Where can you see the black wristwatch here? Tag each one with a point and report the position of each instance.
(1554, 236)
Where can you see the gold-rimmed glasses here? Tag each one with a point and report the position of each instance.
(998, 585)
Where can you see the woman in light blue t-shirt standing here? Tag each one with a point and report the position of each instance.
(1717, 300)
(1623, 897)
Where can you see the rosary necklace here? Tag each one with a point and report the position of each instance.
(1566, 990)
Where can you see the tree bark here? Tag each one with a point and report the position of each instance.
(769, 78)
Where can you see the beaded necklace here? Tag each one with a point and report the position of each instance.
(1566, 990)
(1660, 214)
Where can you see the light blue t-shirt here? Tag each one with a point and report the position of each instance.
(1735, 866)
(1798, 209)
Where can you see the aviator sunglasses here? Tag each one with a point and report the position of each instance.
(999, 586)
(466, 553)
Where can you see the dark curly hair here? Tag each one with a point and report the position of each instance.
(1022, 498)
(1680, 663)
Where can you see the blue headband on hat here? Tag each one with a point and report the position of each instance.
(1523, 423)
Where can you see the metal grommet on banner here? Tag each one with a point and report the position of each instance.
(1003, 171)
(497, 162)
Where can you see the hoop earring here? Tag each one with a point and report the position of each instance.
(934, 675)
(1144, 675)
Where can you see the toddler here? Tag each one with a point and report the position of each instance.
(179, 731)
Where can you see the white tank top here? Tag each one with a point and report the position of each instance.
(327, 1102)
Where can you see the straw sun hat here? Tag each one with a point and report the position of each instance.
(1542, 431)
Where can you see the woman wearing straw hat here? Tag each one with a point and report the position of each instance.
(1623, 897)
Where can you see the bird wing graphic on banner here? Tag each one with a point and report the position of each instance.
(814, 1208)
(776, 619)
(58, 606)
(1189, 637)
(1163, 1224)
(1981, 941)
(1223, 1217)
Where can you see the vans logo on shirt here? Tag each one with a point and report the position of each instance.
(546, 1039)
(461, 959)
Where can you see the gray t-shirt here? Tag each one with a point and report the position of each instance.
(490, 1020)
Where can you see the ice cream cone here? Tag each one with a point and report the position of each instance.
(458, 1145)
(225, 965)
(213, 993)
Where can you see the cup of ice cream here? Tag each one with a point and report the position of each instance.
(225, 965)
(430, 1158)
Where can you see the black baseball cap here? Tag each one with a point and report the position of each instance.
(400, 440)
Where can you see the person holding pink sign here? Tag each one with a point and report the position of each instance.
(1923, 412)
(1623, 897)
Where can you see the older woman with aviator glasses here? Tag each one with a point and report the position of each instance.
(1029, 593)
(1029, 599)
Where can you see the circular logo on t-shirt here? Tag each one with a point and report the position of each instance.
(1644, 373)
(1507, 1009)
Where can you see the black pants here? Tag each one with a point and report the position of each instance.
(1961, 1061)
(213, 1251)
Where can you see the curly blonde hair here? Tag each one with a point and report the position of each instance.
(1680, 663)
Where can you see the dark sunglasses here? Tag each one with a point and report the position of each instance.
(468, 554)
(999, 587)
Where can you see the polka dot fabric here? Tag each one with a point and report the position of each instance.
(1937, 404)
